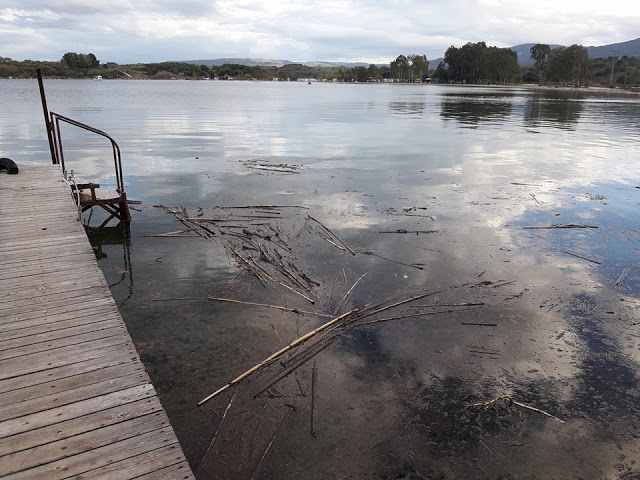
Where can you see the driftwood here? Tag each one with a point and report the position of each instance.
(508, 401)
(274, 356)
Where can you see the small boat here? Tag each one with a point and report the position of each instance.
(98, 77)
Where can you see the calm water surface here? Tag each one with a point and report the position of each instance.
(548, 316)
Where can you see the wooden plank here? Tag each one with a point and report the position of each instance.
(78, 409)
(61, 338)
(74, 395)
(85, 442)
(54, 387)
(34, 281)
(78, 465)
(144, 465)
(79, 318)
(103, 358)
(38, 290)
(58, 357)
(57, 313)
(76, 426)
(174, 472)
(55, 301)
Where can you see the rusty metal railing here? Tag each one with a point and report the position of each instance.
(52, 122)
(58, 152)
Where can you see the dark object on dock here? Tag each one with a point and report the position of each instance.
(87, 194)
(8, 165)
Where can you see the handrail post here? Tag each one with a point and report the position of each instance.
(47, 124)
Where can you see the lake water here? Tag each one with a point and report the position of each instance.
(435, 189)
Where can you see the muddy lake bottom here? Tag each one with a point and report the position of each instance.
(525, 292)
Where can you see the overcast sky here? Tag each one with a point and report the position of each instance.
(132, 31)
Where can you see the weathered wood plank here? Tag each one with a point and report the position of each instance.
(78, 465)
(28, 345)
(76, 426)
(63, 451)
(58, 357)
(78, 319)
(145, 466)
(174, 472)
(75, 399)
(12, 398)
(103, 358)
(68, 397)
(57, 313)
(75, 410)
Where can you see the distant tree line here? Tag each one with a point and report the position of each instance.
(474, 63)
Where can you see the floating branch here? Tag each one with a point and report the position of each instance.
(583, 258)
(272, 357)
(286, 309)
(508, 401)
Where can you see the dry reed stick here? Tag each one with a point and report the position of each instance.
(286, 309)
(483, 406)
(272, 357)
(340, 304)
(314, 388)
(333, 234)
(207, 454)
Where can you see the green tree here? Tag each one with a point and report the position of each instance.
(500, 65)
(373, 72)
(361, 74)
(419, 66)
(539, 54)
(569, 65)
(400, 68)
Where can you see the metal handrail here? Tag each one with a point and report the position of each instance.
(56, 118)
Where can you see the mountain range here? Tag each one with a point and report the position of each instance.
(630, 48)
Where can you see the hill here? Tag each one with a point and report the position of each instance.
(630, 48)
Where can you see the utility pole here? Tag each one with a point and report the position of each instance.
(613, 61)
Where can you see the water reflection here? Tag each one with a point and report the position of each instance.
(390, 397)
(471, 111)
(407, 108)
(559, 112)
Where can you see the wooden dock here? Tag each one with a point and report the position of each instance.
(75, 400)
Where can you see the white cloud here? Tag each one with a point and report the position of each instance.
(359, 30)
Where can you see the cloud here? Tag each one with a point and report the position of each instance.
(356, 30)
